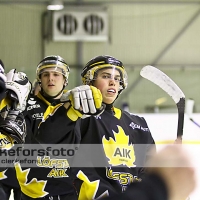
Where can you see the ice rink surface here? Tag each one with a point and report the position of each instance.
(164, 128)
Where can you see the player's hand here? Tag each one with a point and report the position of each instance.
(18, 88)
(14, 126)
(174, 164)
(85, 100)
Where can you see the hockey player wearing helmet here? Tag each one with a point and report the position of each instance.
(90, 71)
(58, 112)
(52, 74)
(116, 134)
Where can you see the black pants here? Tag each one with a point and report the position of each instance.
(5, 191)
(57, 197)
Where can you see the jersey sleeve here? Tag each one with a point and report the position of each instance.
(153, 187)
(55, 125)
(145, 145)
(151, 147)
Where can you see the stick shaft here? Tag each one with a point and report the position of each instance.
(181, 110)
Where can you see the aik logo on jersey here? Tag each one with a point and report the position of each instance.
(58, 166)
(118, 150)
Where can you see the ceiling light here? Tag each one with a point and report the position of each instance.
(55, 5)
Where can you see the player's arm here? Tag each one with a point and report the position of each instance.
(80, 102)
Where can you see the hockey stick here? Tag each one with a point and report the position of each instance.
(189, 111)
(169, 86)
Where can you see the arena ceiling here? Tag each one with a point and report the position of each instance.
(74, 2)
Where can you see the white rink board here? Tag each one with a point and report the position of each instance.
(164, 128)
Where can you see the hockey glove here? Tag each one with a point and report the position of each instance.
(2, 74)
(85, 100)
(3, 79)
(14, 126)
(18, 88)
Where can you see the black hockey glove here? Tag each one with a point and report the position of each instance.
(14, 126)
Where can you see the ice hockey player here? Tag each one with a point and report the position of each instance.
(122, 140)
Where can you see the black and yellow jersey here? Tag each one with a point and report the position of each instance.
(47, 123)
(122, 141)
(7, 174)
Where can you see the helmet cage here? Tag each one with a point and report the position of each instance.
(54, 62)
(90, 75)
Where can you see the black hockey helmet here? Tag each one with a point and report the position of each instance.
(89, 72)
(56, 63)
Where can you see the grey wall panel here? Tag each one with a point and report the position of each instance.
(20, 37)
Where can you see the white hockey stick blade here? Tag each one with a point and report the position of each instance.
(163, 81)
(169, 86)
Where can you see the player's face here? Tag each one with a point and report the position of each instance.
(108, 82)
(52, 82)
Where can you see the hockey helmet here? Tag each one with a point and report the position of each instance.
(53, 63)
(89, 72)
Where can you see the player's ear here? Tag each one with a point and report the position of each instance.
(65, 83)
